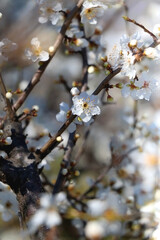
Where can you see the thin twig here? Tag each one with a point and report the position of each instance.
(10, 112)
(65, 162)
(82, 148)
(141, 26)
(52, 143)
(37, 76)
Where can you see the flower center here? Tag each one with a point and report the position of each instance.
(50, 10)
(146, 84)
(85, 105)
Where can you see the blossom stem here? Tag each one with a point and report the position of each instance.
(9, 109)
(141, 26)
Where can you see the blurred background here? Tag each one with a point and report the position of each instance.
(20, 24)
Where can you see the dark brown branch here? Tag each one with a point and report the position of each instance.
(103, 84)
(85, 70)
(52, 143)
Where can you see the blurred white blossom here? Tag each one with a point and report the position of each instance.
(36, 53)
(46, 215)
(6, 46)
(50, 11)
(92, 10)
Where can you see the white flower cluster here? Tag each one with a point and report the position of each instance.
(50, 11)
(76, 40)
(84, 107)
(36, 53)
(107, 211)
(124, 56)
(94, 9)
(48, 214)
(141, 89)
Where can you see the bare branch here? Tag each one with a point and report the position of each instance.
(141, 26)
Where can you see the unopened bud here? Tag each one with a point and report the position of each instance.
(150, 52)
(1, 132)
(77, 136)
(133, 43)
(64, 171)
(8, 141)
(59, 139)
(125, 18)
(74, 91)
(77, 173)
(91, 69)
(51, 49)
(36, 108)
(8, 95)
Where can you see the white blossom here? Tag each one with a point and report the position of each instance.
(92, 10)
(36, 52)
(77, 44)
(47, 214)
(156, 30)
(8, 203)
(141, 89)
(6, 46)
(146, 85)
(8, 141)
(131, 42)
(95, 229)
(50, 11)
(151, 52)
(8, 95)
(127, 64)
(23, 84)
(85, 106)
(97, 207)
(74, 91)
(64, 114)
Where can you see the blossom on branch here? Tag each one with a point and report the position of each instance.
(92, 10)
(64, 114)
(131, 42)
(85, 106)
(141, 89)
(36, 52)
(50, 11)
